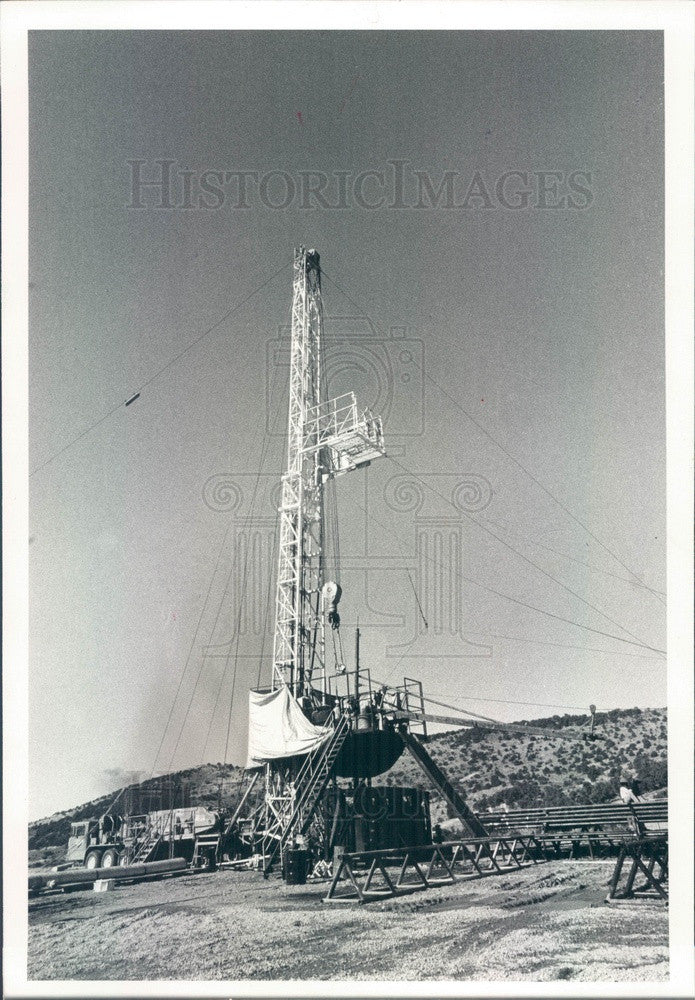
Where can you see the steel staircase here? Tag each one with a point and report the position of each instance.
(145, 848)
(310, 785)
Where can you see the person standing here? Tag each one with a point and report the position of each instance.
(627, 789)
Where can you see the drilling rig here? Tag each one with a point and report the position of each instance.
(317, 722)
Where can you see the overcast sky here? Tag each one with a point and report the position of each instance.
(543, 324)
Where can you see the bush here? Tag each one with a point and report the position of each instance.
(603, 791)
(651, 773)
(553, 795)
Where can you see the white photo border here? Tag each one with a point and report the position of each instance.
(677, 21)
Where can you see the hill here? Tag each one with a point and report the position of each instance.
(491, 768)
(212, 785)
(497, 769)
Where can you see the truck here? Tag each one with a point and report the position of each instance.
(193, 833)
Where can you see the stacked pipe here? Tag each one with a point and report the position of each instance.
(86, 876)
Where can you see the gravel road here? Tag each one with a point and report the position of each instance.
(545, 923)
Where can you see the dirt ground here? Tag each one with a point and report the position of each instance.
(544, 923)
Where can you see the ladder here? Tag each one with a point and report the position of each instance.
(310, 785)
(206, 844)
(471, 823)
(145, 848)
(242, 802)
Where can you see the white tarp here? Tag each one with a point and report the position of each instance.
(279, 728)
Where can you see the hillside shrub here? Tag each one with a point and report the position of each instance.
(557, 773)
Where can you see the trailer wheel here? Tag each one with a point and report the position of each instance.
(92, 859)
(109, 858)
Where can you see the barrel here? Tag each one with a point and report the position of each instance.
(296, 866)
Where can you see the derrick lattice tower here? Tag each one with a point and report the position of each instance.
(326, 437)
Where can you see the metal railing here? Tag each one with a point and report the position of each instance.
(337, 422)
